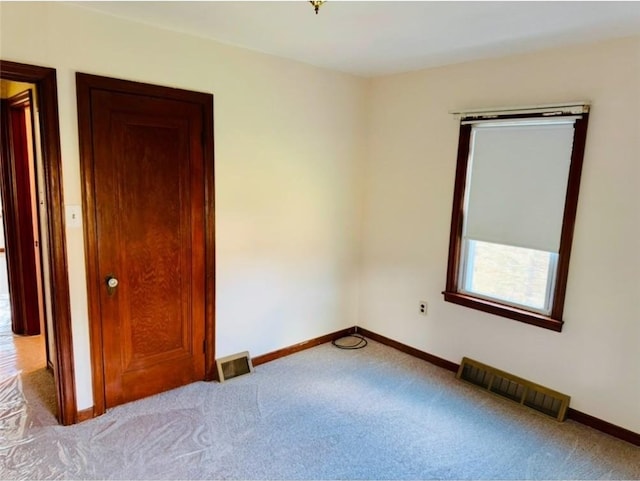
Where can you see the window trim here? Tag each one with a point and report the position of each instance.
(468, 245)
(453, 293)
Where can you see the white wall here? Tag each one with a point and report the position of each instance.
(409, 192)
(289, 141)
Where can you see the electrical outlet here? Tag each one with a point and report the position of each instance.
(423, 308)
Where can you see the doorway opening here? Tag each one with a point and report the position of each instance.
(37, 297)
(25, 298)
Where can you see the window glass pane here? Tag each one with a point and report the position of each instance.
(512, 274)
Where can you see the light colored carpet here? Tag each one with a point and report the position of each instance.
(324, 413)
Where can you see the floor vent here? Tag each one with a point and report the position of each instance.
(527, 393)
(234, 366)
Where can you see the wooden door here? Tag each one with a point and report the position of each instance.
(20, 214)
(146, 225)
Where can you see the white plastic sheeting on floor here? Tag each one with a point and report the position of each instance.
(324, 413)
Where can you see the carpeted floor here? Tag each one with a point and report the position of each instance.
(324, 413)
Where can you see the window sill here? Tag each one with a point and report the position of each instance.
(498, 309)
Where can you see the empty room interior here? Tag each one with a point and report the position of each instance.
(320, 240)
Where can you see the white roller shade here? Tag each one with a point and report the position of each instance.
(518, 182)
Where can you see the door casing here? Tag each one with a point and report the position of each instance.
(44, 78)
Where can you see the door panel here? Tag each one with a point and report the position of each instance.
(23, 257)
(149, 191)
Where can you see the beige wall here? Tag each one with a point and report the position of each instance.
(10, 88)
(409, 191)
(289, 142)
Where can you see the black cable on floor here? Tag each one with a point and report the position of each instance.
(361, 342)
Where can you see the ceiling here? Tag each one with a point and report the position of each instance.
(371, 38)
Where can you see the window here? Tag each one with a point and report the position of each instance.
(515, 199)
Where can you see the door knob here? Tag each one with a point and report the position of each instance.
(112, 283)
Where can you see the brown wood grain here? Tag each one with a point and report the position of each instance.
(23, 265)
(84, 415)
(148, 186)
(438, 361)
(45, 81)
(554, 321)
(604, 426)
(503, 310)
(286, 351)
(568, 221)
(457, 209)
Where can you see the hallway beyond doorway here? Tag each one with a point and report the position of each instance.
(18, 353)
